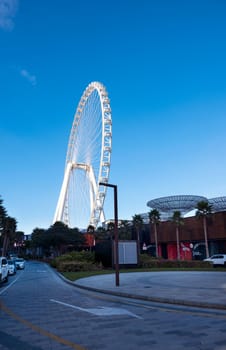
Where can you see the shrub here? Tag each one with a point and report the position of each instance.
(103, 253)
(53, 263)
(146, 261)
(75, 261)
(77, 256)
(75, 266)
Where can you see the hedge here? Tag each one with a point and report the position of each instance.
(146, 261)
(75, 266)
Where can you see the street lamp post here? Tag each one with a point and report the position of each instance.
(115, 230)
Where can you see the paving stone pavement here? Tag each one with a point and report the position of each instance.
(153, 327)
(204, 289)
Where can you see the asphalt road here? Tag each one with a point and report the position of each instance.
(38, 310)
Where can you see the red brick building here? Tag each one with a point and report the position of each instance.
(191, 236)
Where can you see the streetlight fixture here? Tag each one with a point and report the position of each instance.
(115, 230)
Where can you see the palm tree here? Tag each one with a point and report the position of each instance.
(178, 220)
(2, 209)
(204, 209)
(154, 218)
(111, 229)
(100, 234)
(125, 230)
(137, 223)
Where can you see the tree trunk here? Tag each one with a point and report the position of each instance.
(156, 242)
(138, 246)
(205, 234)
(178, 245)
(150, 226)
(5, 244)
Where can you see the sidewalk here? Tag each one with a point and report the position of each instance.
(201, 289)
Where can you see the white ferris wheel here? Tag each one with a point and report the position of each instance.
(88, 159)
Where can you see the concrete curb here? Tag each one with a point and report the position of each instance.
(146, 298)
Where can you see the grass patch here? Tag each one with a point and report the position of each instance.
(73, 276)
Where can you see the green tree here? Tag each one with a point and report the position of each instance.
(204, 209)
(3, 215)
(59, 236)
(9, 229)
(37, 237)
(75, 238)
(111, 230)
(100, 234)
(91, 229)
(111, 226)
(38, 241)
(154, 218)
(138, 224)
(18, 241)
(125, 230)
(57, 239)
(178, 221)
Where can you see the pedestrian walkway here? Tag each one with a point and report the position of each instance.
(201, 289)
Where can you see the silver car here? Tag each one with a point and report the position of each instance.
(217, 259)
(12, 267)
(20, 263)
(4, 269)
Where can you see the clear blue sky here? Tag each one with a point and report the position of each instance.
(163, 64)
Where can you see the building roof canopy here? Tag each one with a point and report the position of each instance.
(218, 203)
(182, 203)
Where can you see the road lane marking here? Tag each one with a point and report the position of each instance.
(9, 285)
(40, 330)
(101, 311)
(173, 308)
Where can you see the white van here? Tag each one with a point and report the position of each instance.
(4, 269)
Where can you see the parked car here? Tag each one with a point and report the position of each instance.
(217, 259)
(12, 267)
(13, 256)
(4, 269)
(20, 263)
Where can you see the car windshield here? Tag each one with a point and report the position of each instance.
(19, 260)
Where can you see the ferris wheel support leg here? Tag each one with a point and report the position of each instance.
(61, 202)
(93, 188)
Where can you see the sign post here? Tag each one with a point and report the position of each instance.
(116, 255)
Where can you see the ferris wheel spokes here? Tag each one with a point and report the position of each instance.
(88, 160)
(62, 207)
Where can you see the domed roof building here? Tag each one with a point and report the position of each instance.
(192, 244)
(218, 204)
(168, 205)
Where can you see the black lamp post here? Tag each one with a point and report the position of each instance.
(115, 230)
